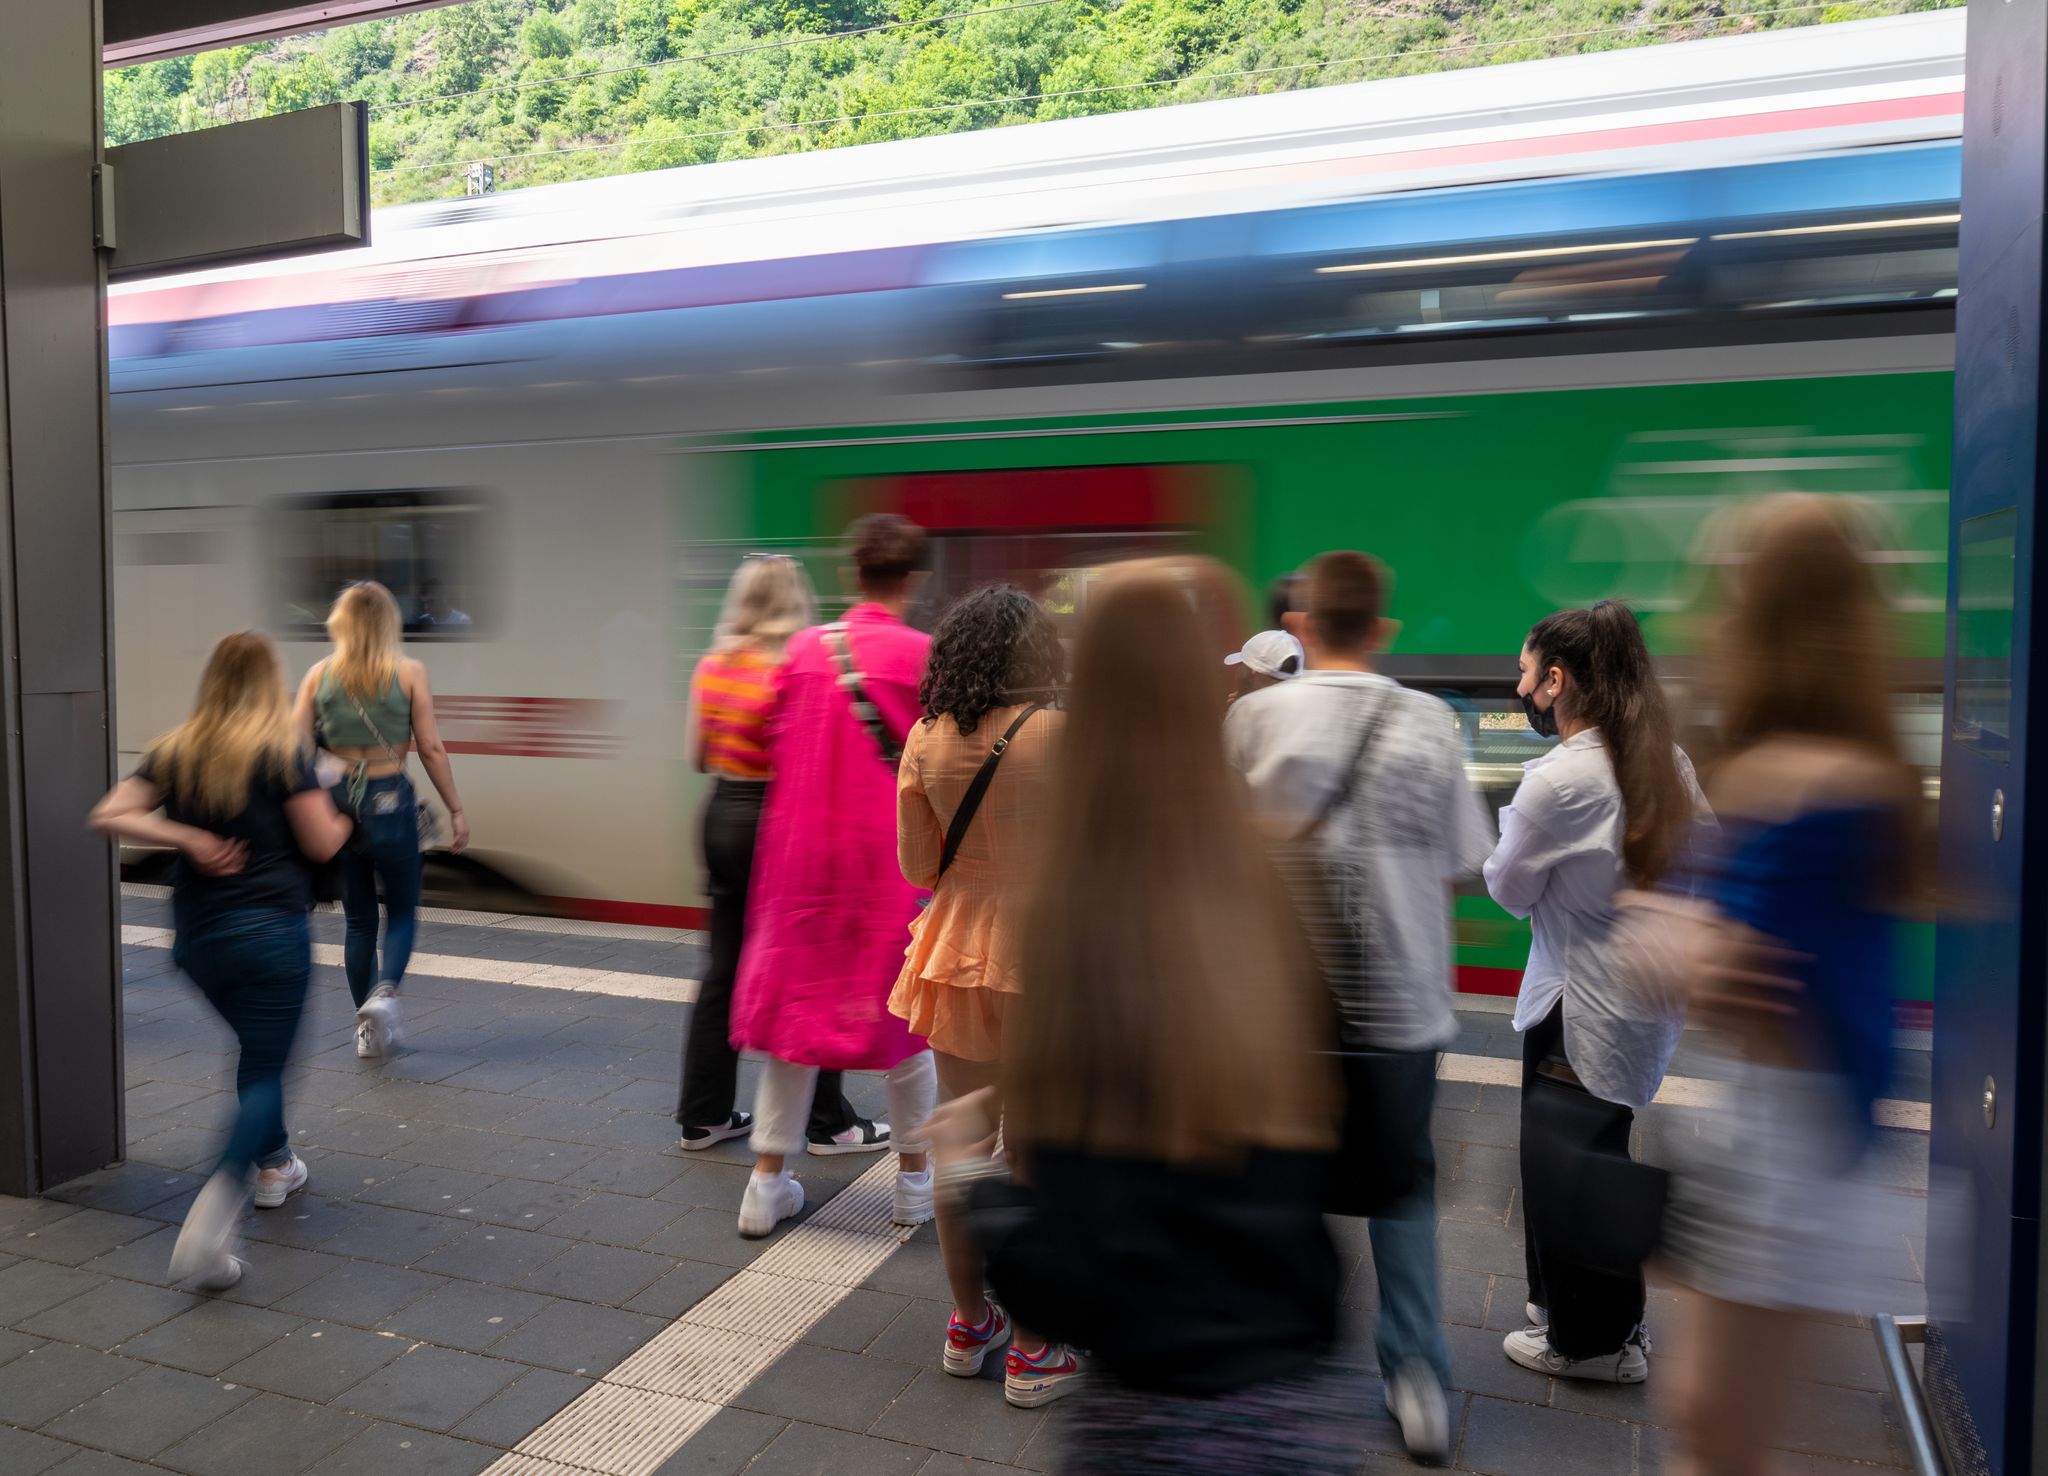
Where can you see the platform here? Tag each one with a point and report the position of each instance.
(503, 1263)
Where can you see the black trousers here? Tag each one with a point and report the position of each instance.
(732, 818)
(1591, 1312)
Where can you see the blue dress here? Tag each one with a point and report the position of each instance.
(1773, 1201)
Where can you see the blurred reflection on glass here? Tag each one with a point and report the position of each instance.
(1777, 1210)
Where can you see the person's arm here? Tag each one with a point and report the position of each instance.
(426, 737)
(919, 840)
(1520, 866)
(317, 826)
(130, 811)
(303, 714)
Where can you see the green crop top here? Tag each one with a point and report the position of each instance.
(341, 726)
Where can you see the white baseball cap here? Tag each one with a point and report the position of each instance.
(1271, 653)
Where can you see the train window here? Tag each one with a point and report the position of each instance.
(428, 547)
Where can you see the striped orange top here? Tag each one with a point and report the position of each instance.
(734, 692)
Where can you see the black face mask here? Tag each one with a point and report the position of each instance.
(1542, 720)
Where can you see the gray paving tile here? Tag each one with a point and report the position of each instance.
(577, 1338)
(17, 1214)
(630, 1171)
(100, 1463)
(1847, 1423)
(1505, 1439)
(1486, 1165)
(946, 1464)
(524, 1204)
(642, 1096)
(813, 1450)
(725, 1446)
(649, 1132)
(1487, 1248)
(127, 1189)
(427, 1188)
(500, 1076)
(14, 1344)
(435, 1388)
(156, 1408)
(916, 1335)
(570, 1122)
(110, 1313)
(598, 1273)
(393, 1450)
(1464, 1297)
(268, 1435)
(857, 1321)
(211, 1337)
(615, 1219)
(493, 1253)
(45, 1382)
(708, 1235)
(317, 1362)
(914, 1271)
(826, 1387)
(470, 1315)
(28, 1287)
(1496, 1130)
(1470, 1199)
(147, 1260)
(712, 1184)
(23, 1453)
(78, 1238)
(361, 1293)
(307, 1221)
(963, 1416)
(1504, 1308)
(394, 1236)
(523, 1408)
(270, 1273)
(688, 1284)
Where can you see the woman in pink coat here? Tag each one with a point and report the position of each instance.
(829, 910)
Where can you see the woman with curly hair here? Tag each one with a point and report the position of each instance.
(970, 799)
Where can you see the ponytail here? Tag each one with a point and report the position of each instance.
(1615, 689)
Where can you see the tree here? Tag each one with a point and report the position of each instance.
(137, 106)
(307, 84)
(545, 37)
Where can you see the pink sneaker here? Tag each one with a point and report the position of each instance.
(1032, 1379)
(967, 1347)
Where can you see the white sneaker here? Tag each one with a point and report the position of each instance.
(770, 1199)
(379, 1013)
(366, 1041)
(1539, 1317)
(275, 1186)
(913, 1197)
(1531, 1348)
(863, 1137)
(201, 1254)
(1415, 1399)
(226, 1273)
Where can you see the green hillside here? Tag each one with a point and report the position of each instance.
(548, 90)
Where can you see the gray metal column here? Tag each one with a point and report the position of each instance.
(60, 1016)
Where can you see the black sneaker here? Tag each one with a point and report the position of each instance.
(737, 1126)
(864, 1136)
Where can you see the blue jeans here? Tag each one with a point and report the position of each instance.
(253, 967)
(1404, 1256)
(384, 850)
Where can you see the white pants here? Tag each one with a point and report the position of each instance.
(782, 1104)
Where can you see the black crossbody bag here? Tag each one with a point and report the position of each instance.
(1384, 1112)
(984, 776)
(864, 709)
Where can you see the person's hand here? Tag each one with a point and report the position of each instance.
(963, 1130)
(458, 832)
(215, 855)
(1748, 985)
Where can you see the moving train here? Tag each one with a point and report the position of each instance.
(1523, 331)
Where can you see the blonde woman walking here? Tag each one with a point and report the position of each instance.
(368, 703)
(231, 791)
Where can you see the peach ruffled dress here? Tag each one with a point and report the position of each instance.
(961, 967)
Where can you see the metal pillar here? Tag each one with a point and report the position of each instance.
(1985, 1330)
(60, 1017)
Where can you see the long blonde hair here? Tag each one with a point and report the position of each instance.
(768, 601)
(1170, 1007)
(241, 725)
(365, 627)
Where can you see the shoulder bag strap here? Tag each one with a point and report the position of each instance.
(971, 801)
(864, 709)
(375, 732)
(1348, 780)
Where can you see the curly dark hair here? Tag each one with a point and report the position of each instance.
(995, 648)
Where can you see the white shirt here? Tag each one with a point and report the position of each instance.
(1559, 864)
(1412, 810)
